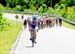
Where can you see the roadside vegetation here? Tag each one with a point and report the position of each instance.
(9, 30)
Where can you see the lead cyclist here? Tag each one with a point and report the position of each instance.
(33, 28)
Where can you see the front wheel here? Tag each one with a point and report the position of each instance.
(33, 41)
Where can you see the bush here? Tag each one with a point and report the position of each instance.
(3, 23)
(70, 13)
(2, 7)
(43, 9)
(40, 10)
(0, 15)
(7, 7)
(16, 16)
(17, 8)
(67, 12)
(50, 10)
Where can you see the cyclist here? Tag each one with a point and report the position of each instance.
(32, 30)
(22, 17)
(25, 23)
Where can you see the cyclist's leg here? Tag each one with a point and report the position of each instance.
(32, 38)
(31, 34)
(33, 41)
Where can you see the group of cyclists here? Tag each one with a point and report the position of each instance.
(35, 23)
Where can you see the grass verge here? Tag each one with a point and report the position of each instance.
(8, 37)
(68, 25)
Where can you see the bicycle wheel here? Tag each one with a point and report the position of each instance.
(33, 40)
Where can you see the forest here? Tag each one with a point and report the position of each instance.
(64, 8)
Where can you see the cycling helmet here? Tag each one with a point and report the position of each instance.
(34, 16)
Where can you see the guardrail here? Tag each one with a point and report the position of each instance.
(67, 20)
(10, 11)
(36, 13)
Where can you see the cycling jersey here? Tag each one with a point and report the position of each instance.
(33, 25)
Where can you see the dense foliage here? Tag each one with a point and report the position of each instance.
(3, 23)
(63, 8)
(36, 3)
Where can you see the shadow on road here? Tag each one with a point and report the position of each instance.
(29, 47)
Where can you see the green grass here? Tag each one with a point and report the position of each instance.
(68, 25)
(8, 37)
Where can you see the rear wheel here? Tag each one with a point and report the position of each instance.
(32, 44)
(33, 41)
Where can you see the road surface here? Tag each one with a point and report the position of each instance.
(49, 41)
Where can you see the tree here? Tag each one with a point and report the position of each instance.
(33, 8)
(50, 10)
(12, 3)
(2, 7)
(3, 2)
(40, 10)
(18, 8)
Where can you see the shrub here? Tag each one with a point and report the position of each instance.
(2, 7)
(3, 23)
(16, 16)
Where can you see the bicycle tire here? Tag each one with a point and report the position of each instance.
(33, 40)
